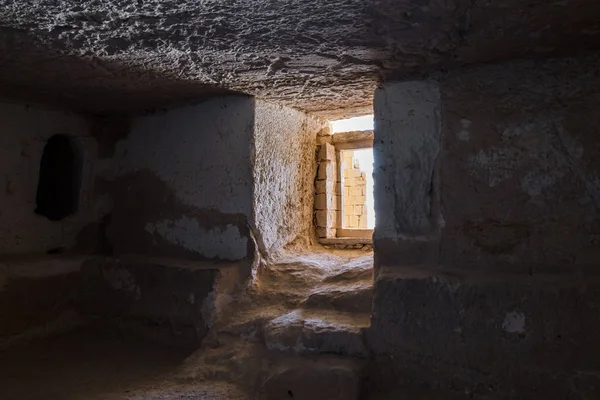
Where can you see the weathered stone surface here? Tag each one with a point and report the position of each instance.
(261, 344)
(325, 232)
(326, 170)
(488, 331)
(290, 279)
(353, 137)
(283, 162)
(407, 144)
(249, 324)
(360, 269)
(317, 56)
(325, 218)
(326, 152)
(313, 379)
(344, 243)
(520, 187)
(350, 298)
(319, 331)
(515, 186)
(324, 186)
(232, 359)
(325, 201)
(176, 303)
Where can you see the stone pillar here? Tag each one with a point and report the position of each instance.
(406, 148)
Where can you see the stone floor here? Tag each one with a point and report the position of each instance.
(296, 332)
(94, 364)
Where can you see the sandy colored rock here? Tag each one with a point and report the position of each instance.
(351, 298)
(307, 332)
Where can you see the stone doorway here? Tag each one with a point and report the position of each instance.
(357, 200)
(344, 203)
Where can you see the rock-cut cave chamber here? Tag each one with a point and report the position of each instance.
(185, 213)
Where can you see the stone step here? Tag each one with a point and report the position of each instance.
(305, 331)
(248, 323)
(356, 298)
(351, 275)
(312, 378)
(272, 375)
(354, 270)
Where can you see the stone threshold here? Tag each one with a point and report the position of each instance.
(346, 241)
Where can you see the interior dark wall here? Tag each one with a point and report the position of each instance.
(35, 178)
(496, 289)
(520, 166)
(183, 184)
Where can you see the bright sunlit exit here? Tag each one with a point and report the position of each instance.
(364, 158)
(363, 123)
(357, 197)
(358, 205)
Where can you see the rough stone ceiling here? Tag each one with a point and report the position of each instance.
(323, 56)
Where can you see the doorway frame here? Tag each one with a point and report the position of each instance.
(329, 221)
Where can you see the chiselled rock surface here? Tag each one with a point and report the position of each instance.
(277, 339)
(313, 55)
(317, 332)
(354, 298)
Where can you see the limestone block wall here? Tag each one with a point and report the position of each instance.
(327, 189)
(354, 198)
(24, 131)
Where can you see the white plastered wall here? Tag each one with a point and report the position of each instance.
(201, 153)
